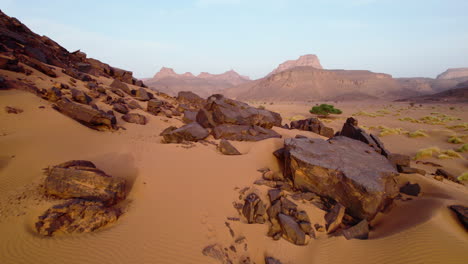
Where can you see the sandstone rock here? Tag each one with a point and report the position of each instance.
(359, 231)
(10, 65)
(189, 116)
(253, 209)
(271, 260)
(334, 218)
(76, 216)
(291, 230)
(399, 160)
(274, 194)
(121, 108)
(84, 182)
(135, 118)
(190, 99)
(190, 132)
(133, 104)
(80, 96)
(227, 148)
(288, 207)
(410, 189)
(155, 106)
(273, 176)
(86, 115)
(462, 214)
(343, 169)
(220, 110)
(53, 95)
(350, 129)
(36, 64)
(313, 125)
(409, 170)
(142, 95)
(243, 133)
(118, 85)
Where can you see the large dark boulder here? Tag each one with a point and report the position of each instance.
(76, 216)
(189, 116)
(346, 170)
(86, 115)
(77, 179)
(220, 110)
(118, 85)
(190, 99)
(243, 133)
(314, 125)
(190, 132)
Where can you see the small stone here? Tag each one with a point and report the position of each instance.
(227, 148)
(410, 189)
(274, 194)
(334, 218)
(359, 231)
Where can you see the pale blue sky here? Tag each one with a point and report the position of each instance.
(402, 38)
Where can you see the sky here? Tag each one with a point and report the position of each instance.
(405, 38)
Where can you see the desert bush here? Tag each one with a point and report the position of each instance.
(427, 153)
(463, 148)
(325, 110)
(455, 140)
(417, 133)
(463, 177)
(261, 107)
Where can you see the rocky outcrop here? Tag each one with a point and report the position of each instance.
(81, 179)
(304, 60)
(86, 115)
(330, 169)
(192, 100)
(76, 216)
(227, 148)
(243, 133)
(220, 110)
(314, 125)
(454, 73)
(190, 132)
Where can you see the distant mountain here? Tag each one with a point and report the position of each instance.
(204, 84)
(309, 83)
(454, 73)
(304, 60)
(458, 94)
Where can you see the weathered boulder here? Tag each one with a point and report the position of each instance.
(346, 170)
(350, 129)
(77, 179)
(10, 65)
(121, 108)
(334, 218)
(189, 116)
(80, 96)
(243, 133)
(53, 94)
(192, 100)
(155, 106)
(86, 115)
(135, 118)
(118, 85)
(462, 214)
(254, 209)
(227, 148)
(36, 64)
(190, 132)
(271, 260)
(143, 95)
(220, 110)
(410, 189)
(76, 216)
(291, 230)
(314, 125)
(359, 231)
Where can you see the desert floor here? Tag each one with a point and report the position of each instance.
(182, 195)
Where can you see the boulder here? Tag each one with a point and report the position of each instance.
(350, 129)
(142, 95)
(84, 182)
(38, 65)
(76, 216)
(314, 125)
(274, 194)
(121, 108)
(334, 218)
(346, 170)
(53, 95)
(447, 175)
(462, 214)
(189, 116)
(271, 260)
(227, 148)
(243, 133)
(291, 230)
(254, 209)
(192, 100)
(118, 85)
(155, 106)
(190, 132)
(399, 160)
(359, 231)
(86, 115)
(220, 110)
(80, 96)
(135, 118)
(409, 170)
(410, 189)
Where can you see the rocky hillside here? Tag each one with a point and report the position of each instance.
(458, 94)
(204, 84)
(304, 60)
(455, 73)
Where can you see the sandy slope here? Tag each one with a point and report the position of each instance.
(182, 194)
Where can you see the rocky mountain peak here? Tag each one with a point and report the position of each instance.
(305, 60)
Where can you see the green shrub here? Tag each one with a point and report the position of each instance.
(463, 177)
(325, 109)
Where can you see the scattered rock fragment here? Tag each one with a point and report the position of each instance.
(359, 231)
(121, 108)
(86, 115)
(13, 110)
(80, 96)
(334, 218)
(189, 132)
(135, 118)
(271, 260)
(254, 209)
(410, 189)
(314, 125)
(462, 214)
(227, 148)
(291, 230)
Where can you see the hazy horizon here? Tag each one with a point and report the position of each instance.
(401, 38)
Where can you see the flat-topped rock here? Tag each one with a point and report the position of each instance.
(346, 170)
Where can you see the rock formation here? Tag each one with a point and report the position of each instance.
(454, 73)
(304, 60)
